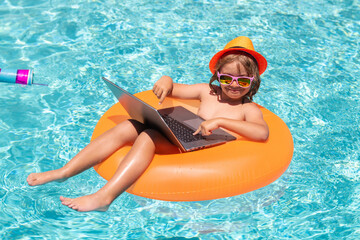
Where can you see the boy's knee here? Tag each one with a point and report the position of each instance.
(138, 126)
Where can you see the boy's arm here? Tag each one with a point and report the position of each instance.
(253, 127)
(165, 87)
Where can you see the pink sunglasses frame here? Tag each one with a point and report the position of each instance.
(234, 79)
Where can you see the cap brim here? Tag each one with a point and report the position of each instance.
(261, 61)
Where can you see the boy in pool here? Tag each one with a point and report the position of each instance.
(237, 68)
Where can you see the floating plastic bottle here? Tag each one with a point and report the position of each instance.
(19, 76)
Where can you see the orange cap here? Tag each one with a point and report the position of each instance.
(242, 44)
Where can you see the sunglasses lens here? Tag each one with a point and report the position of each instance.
(225, 79)
(244, 82)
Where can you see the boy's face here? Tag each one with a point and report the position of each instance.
(234, 91)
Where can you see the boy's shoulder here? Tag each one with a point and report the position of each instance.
(251, 108)
(249, 104)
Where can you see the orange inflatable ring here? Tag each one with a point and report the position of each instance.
(222, 171)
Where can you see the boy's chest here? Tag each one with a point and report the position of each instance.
(214, 109)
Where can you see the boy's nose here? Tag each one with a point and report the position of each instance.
(234, 84)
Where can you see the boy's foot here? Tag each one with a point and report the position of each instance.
(35, 179)
(86, 203)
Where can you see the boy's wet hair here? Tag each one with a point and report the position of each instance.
(250, 66)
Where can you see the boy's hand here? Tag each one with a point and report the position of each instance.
(206, 127)
(162, 88)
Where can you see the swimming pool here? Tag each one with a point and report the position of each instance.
(311, 83)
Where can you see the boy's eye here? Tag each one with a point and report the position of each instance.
(225, 79)
(244, 82)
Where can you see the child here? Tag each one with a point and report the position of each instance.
(237, 68)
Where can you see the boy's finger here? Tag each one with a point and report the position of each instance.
(155, 91)
(162, 97)
(197, 131)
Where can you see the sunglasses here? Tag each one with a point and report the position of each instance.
(242, 81)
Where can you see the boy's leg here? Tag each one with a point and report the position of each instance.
(129, 170)
(124, 133)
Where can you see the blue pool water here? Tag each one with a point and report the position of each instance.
(311, 82)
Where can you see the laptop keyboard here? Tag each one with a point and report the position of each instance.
(181, 131)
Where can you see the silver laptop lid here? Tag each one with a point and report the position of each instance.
(141, 111)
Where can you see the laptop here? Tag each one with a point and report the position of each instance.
(177, 123)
